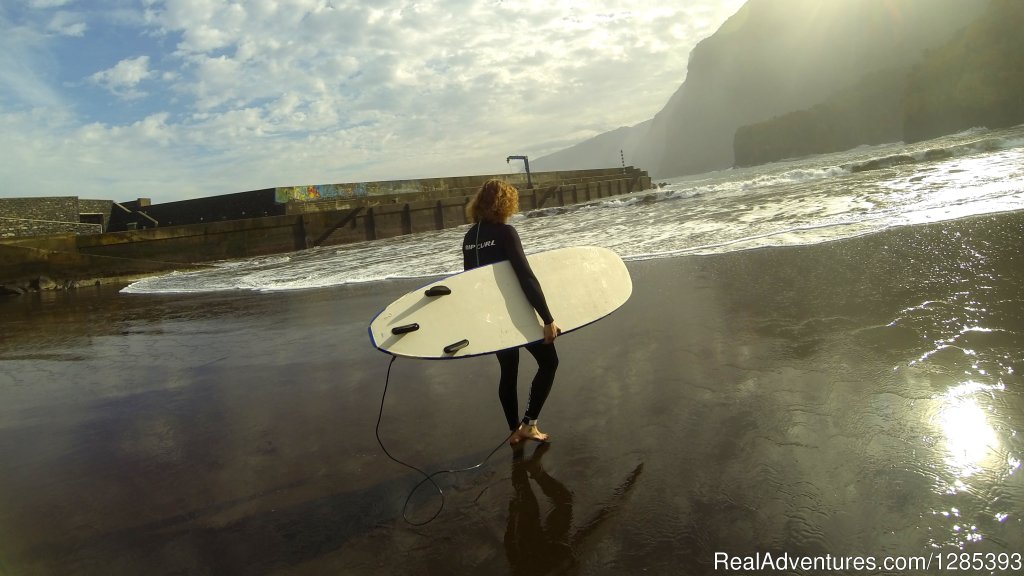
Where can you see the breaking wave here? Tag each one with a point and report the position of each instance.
(805, 201)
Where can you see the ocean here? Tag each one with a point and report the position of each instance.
(819, 371)
(806, 201)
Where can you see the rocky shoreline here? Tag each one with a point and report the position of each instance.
(46, 284)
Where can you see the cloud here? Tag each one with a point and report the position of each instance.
(25, 69)
(67, 24)
(287, 92)
(124, 78)
(49, 3)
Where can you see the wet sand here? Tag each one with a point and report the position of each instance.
(858, 398)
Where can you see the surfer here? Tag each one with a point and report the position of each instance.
(492, 240)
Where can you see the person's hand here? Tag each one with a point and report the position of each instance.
(551, 331)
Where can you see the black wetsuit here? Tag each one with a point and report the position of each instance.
(490, 243)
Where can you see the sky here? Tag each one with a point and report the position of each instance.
(177, 99)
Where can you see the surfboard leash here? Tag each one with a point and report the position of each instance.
(426, 477)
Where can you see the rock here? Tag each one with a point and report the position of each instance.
(45, 283)
(938, 154)
(11, 290)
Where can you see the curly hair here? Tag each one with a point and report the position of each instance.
(494, 202)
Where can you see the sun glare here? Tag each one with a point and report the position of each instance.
(970, 439)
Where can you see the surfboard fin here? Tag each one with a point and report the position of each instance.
(399, 330)
(453, 348)
(438, 291)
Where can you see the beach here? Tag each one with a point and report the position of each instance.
(860, 397)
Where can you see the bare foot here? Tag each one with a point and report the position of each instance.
(527, 432)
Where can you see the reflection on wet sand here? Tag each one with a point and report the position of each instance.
(551, 545)
(534, 546)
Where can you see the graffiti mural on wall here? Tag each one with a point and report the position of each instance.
(351, 190)
(320, 192)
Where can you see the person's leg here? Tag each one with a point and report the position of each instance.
(507, 386)
(547, 364)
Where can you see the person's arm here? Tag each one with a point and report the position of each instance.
(467, 257)
(527, 279)
(470, 252)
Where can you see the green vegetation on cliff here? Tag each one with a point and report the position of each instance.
(866, 113)
(974, 80)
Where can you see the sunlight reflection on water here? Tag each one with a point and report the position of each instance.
(971, 441)
(974, 457)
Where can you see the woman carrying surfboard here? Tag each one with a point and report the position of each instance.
(492, 240)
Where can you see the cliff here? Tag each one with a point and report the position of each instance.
(774, 57)
(972, 80)
(869, 112)
(976, 79)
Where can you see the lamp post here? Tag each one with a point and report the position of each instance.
(529, 180)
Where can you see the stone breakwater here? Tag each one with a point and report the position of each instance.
(37, 285)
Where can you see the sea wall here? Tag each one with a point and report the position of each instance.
(22, 227)
(57, 208)
(433, 188)
(71, 258)
(37, 216)
(21, 217)
(236, 206)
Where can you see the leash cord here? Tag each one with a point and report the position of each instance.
(426, 477)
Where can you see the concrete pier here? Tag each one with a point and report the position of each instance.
(73, 258)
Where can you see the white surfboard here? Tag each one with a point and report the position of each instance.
(484, 310)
